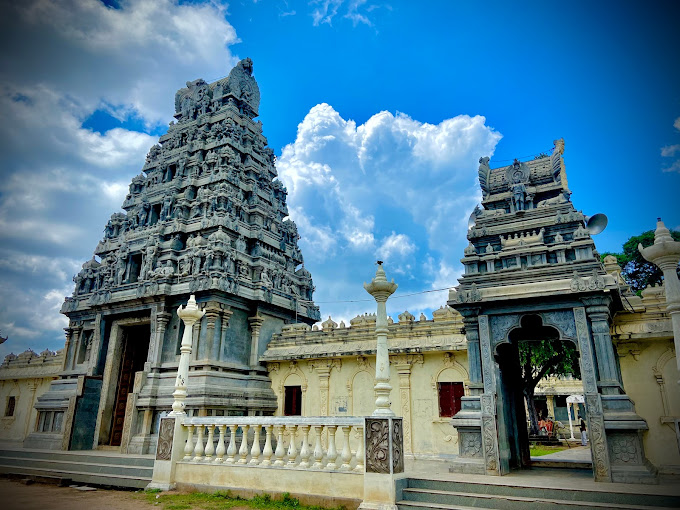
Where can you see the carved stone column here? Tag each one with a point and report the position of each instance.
(162, 320)
(224, 325)
(597, 308)
(323, 368)
(77, 337)
(196, 334)
(68, 355)
(212, 313)
(255, 326)
(474, 358)
(404, 363)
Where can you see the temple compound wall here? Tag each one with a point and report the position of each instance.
(334, 369)
(23, 379)
(643, 338)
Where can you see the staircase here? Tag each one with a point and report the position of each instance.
(421, 493)
(86, 467)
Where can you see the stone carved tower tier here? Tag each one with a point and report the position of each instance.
(206, 216)
(531, 268)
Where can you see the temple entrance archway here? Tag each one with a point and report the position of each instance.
(514, 395)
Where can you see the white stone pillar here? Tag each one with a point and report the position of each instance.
(665, 253)
(189, 314)
(381, 289)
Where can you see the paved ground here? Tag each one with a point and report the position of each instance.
(580, 453)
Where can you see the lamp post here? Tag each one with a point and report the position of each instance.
(190, 314)
(381, 289)
(665, 253)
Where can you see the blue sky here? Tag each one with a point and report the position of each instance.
(378, 112)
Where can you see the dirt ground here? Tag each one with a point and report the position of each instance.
(15, 495)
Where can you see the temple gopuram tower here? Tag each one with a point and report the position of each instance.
(532, 273)
(207, 217)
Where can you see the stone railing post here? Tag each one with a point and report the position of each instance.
(190, 314)
(381, 290)
(383, 437)
(173, 437)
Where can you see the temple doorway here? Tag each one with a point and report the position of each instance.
(532, 349)
(135, 346)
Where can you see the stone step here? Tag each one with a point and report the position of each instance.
(75, 476)
(81, 456)
(538, 463)
(607, 494)
(80, 467)
(453, 499)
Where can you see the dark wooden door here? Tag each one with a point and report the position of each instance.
(135, 347)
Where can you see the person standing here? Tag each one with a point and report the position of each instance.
(584, 434)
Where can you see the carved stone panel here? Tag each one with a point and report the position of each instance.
(586, 351)
(500, 326)
(563, 320)
(377, 445)
(598, 437)
(165, 437)
(624, 448)
(470, 444)
(490, 434)
(397, 446)
(488, 363)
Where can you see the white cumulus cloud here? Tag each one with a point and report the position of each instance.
(393, 188)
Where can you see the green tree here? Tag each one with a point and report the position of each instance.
(544, 358)
(638, 272)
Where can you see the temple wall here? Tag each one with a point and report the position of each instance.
(343, 386)
(650, 376)
(24, 377)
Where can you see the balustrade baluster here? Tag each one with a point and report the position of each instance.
(198, 450)
(267, 452)
(304, 451)
(243, 451)
(255, 450)
(231, 451)
(359, 468)
(210, 446)
(332, 453)
(280, 452)
(346, 454)
(189, 447)
(292, 447)
(318, 449)
(220, 445)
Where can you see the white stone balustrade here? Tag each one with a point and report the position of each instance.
(291, 442)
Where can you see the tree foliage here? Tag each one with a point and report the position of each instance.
(638, 272)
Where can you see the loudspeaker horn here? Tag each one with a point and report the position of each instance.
(596, 223)
(472, 219)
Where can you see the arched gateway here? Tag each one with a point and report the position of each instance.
(531, 268)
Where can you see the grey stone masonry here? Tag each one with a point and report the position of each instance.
(206, 213)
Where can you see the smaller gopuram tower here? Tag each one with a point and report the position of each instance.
(206, 216)
(532, 273)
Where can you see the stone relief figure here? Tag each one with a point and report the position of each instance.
(143, 213)
(149, 262)
(166, 209)
(519, 192)
(241, 244)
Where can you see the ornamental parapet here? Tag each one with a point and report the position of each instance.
(444, 332)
